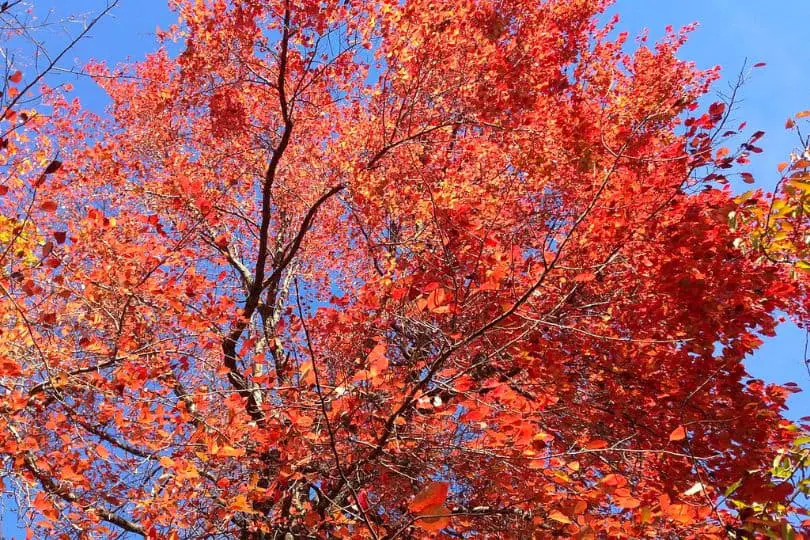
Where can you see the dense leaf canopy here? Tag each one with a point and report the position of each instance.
(392, 269)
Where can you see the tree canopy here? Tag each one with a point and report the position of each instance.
(395, 269)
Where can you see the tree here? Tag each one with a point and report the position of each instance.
(390, 270)
(779, 235)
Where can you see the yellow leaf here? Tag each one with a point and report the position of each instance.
(646, 514)
(556, 515)
(241, 504)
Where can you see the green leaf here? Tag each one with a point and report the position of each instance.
(803, 265)
(733, 487)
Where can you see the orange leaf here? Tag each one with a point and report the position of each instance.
(102, 452)
(614, 480)
(377, 361)
(678, 434)
(437, 523)
(16, 76)
(433, 494)
(628, 503)
(438, 301)
(230, 451)
(803, 114)
(596, 444)
(44, 506)
(585, 277)
(679, 512)
(307, 373)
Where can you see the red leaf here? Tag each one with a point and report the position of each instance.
(49, 206)
(717, 109)
(9, 368)
(52, 167)
(47, 248)
(585, 277)
(362, 499)
(748, 178)
(16, 76)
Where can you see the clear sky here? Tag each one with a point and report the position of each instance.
(730, 32)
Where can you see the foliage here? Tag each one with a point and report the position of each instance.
(779, 235)
(394, 269)
(780, 221)
(776, 514)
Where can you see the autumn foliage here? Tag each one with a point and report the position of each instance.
(391, 270)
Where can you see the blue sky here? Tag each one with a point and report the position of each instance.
(730, 31)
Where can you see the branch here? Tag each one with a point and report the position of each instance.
(330, 431)
(52, 487)
(59, 56)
